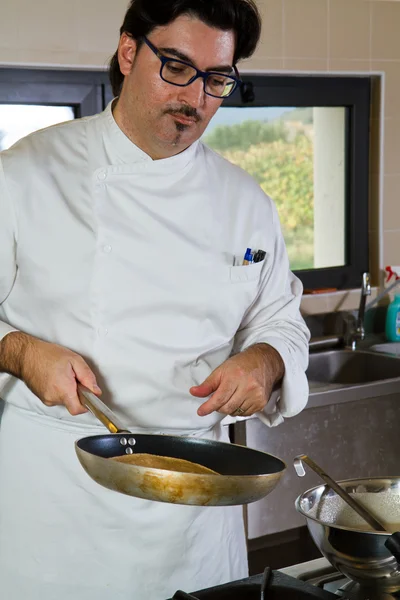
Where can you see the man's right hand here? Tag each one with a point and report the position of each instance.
(51, 372)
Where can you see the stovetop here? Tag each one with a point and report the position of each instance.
(322, 574)
(271, 585)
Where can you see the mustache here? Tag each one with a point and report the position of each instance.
(186, 111)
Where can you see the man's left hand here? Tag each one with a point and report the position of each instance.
(243, 384)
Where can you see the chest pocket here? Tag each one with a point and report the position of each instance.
(243, 273)
(222, 298)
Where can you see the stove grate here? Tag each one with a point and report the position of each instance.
(266, 578)
(270, 585)
(265, 582)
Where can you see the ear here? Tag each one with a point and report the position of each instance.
(127, 48)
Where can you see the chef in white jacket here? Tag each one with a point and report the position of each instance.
(118, 236)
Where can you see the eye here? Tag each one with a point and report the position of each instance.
(175, 68)
(217, 81)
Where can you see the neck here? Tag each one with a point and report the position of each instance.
(155, 151)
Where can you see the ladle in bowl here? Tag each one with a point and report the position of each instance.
(393, 541)
(363, 512)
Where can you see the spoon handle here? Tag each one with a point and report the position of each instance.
(363, 512)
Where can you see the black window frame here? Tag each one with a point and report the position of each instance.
(88, 92)
(353, 93)
(85, 91)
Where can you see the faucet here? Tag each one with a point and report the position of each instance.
(358, 333)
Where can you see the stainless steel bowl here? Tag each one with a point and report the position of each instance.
(345, 540)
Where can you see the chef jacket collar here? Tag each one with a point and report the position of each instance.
(129, 153)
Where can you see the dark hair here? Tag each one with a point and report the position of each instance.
(142, 16)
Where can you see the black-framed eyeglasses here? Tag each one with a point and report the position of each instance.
(181, 73)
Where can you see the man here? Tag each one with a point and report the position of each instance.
(118, 234)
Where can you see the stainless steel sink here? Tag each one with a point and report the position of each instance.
(389, 348)
(337, 376)
(347, 367)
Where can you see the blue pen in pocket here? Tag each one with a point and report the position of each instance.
(248, 257)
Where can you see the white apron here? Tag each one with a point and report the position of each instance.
(129, 262)
(62, 536)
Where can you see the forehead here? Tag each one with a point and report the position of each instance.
(205, 45)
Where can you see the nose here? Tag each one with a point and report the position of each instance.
(193, 94)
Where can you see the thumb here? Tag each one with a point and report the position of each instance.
(85, 376)
(208, 386)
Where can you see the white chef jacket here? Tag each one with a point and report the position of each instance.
(130, 263)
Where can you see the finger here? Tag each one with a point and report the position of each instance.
(217, 400)
(65, 393)
(249, 405)
(232, 403)
(239, 411)
(243, 411)
(70, 397)
(208, 386)
(73, 404)
(85, 375)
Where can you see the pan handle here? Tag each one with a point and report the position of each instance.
(104, 414)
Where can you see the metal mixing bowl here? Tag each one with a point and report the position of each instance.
(346, 540)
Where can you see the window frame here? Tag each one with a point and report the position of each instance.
(84, 91)
(354, 93)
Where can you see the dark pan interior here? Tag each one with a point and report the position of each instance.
(226, 459)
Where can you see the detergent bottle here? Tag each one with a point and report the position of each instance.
(392, 328)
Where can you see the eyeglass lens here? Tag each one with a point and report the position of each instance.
(178, 73)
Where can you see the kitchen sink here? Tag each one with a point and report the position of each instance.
(348, 367)
(388, 347)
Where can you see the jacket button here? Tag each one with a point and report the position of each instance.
(102, 175)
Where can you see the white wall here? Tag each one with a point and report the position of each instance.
(58, 33)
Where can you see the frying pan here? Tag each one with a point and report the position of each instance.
(244, 475)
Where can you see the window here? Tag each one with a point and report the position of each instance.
(306, 141)
(45, 97)
(18, 120)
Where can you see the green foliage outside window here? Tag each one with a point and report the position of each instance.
(244, 135)
(283, 166)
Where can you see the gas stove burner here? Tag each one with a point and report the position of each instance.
(271, 585)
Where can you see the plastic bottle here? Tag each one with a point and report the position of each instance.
(393, 320)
